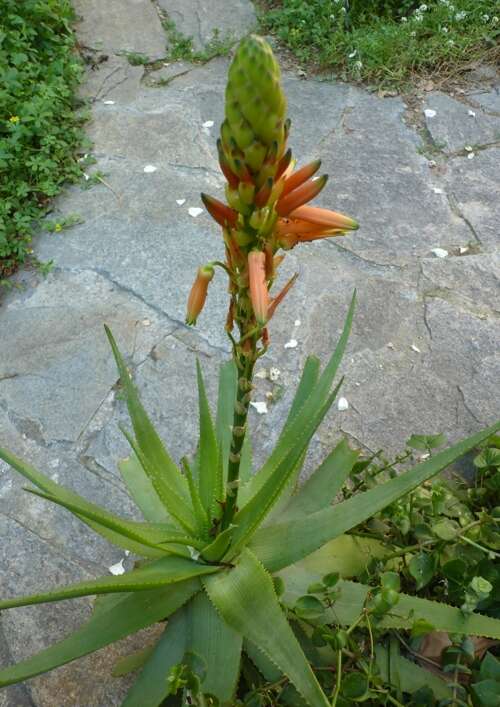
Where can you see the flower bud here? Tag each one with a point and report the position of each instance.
(198, 294)
(259, 294)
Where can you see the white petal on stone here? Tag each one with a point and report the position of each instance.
(292, 344)
(127, 553)
(195, 211)
(86, 176)
(432, 163)
(437, 190)
(415, 348)
(261, 407)
(390, 345)
(424, 456)
(468, 148)
(342, 404)
(149, 169)
(274, 374)
(118, 568)
(463, 249)
(471, 113)
(429, 113)
(146, 322)
(208, 124)
(269, 395)
(440, 252)
(470, 156)
(297, 322)
(109, 103)
(180, 202)
(261, 373)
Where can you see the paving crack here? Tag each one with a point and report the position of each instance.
(356, 256)
(456, 210)
(426, 321)
(464, 402)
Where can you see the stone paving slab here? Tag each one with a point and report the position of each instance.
(424, 354)
(200, 19)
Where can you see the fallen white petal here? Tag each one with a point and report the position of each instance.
(127, 553)
(471, 113)
(342, 404)
(149, 168)
(146, 322)
(463, 249)
(195, 211)
(180, 202)
(470, 156)
(86, 176)
(390, 345)
(118, 568)
(468, 148)
(297, 322)
(437, 190)
(439, 252)
(274, 374)
(208, 124)
(415, 348)
(262, 373)
(429, 113)
(109, 103)
(261, 407)
(291, 344)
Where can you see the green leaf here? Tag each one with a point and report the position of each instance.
(246, 471)
(306, 385)
(488, 457)
(355, 686)
(217, 644)
(147, 438)
(313, 408)
(421, 568)
(133, 661)
(218, 547)
(152, 685)
(228, 382)
(490, 668)
(347, 555)
(141, 490)
(64, 495)
(199, 512)
(134, 612)
(245, 598)
(486, 692)
(324, 484)
(425, 442)
(409, 609)
(168, 570)
(210, 483)
(412, 677)
(309, 607)
(253, 513)
(283, 544)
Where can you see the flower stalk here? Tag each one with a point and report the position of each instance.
(266, 212)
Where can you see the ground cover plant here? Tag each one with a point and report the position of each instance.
(387, 42)
(225, 549)
(39, 124)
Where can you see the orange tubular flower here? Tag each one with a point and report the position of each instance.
(300, 176)
(301, 195)
(259, 294)
(198, 293)
(309, 223)
(220, 212)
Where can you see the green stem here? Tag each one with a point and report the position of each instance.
(245, 375)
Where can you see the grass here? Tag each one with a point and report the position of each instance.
(386, 42)
(181, 47)
(40, 124)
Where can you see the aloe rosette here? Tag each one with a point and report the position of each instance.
(216, 533)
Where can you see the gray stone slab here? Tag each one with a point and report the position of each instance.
(114, 79)
(205, 19)
(121, 26)
(453, 127)
(475, 186)
(489, 100)
(169, 71)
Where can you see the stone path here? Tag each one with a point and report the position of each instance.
(424, 354)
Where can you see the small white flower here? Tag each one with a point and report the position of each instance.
(274, 374)
(422, 8)
(419, 18)
(404, 19)
(451, 42)
(485, 17)
(149, 169)
(118, 568)
(429, 113)
(180, 202)
(352, 54)
(494, 20)
(292, 344)
(358, 65)
(413, 34)
(195, 211)
(440, 252)
(460, 15)
(342, 404)
(444, 30)
(260, 407)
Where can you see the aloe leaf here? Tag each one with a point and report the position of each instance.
(313, 408)
(135, 612)
(409, 609)
(179, 509)
(411, 675)
(217, 644)
(251, 516)
(199, 512)
(246, 460)
(283, 544)
(132, 662)
(245, 598)
(136, 532)
(147, 437)
(228, 382)
(349, 555)
(218, 547)
(307, 382)
(141, 490)
(62, 494)
(324, 484)
(168, 570)
(152, 686)
(209, 483)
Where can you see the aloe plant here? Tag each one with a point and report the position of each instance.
(214, 533)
